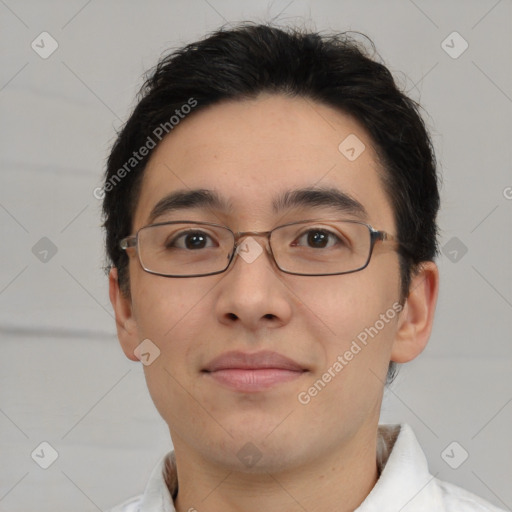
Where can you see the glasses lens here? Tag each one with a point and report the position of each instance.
(323, 247)
(185, 249)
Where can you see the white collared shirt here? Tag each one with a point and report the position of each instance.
(405, 483)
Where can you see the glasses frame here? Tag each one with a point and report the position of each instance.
(132, 241)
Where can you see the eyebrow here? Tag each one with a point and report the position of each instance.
(320, 197)
(298, 198)
(187, 200)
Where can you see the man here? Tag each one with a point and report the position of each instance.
(270, 212)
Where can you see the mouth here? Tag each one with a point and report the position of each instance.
(255, 372)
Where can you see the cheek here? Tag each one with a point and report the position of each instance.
(162, 304)
(169, 314)
(355, 357)
(356, 315)
(344, 305)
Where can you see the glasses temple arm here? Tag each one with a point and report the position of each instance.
(129, 241)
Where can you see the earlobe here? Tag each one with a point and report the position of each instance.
(127, 332)
(417, 317)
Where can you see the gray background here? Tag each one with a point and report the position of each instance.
(63, 377)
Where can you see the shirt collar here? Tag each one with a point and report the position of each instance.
(404, 477)
(162, 487)
(405, 481)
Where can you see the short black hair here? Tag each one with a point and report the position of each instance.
(239, 63)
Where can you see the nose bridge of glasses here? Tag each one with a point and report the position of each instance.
(240, 236)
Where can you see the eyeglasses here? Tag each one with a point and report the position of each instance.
(306, 248)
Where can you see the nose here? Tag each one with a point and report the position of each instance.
(252, 293)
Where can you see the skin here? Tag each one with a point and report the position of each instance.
(319, 456)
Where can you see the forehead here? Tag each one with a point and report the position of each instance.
(253, 153)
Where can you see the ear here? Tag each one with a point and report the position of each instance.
(127, 332)
(417, 317)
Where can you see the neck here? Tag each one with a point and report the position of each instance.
(339, 481)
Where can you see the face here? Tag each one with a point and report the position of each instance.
(250, 153)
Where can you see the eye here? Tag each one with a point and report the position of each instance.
(319, 239)
(191, 240)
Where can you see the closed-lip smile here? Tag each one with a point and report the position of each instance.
(253, 372)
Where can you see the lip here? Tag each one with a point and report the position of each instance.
(254, 372)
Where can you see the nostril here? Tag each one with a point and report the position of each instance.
(232, 316)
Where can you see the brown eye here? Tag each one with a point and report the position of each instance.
(191, 240)
(318, 239)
